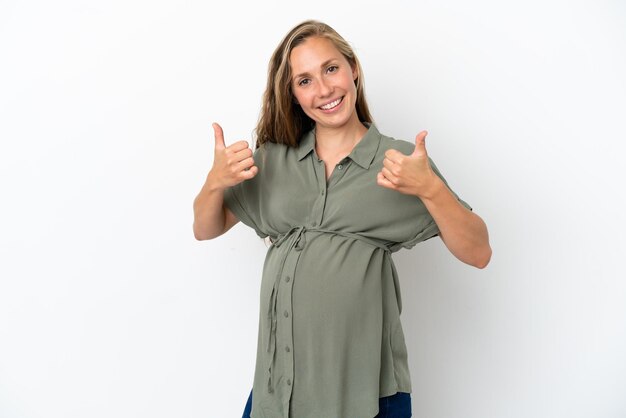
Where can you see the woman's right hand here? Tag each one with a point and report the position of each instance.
(231, 164)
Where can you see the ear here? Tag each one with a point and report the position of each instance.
(355, 72)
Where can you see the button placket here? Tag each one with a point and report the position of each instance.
(286, 320)
(340, 170)
(313, 218)
(317, 211)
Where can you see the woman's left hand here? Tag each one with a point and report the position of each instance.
(464, 233)
(409, 174)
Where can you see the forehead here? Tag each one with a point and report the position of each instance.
(312, 53)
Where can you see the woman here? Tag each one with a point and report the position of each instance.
(336, 198)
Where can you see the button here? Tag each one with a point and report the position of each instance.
(289, 382)
(322, 192)
(287, 279)
(287, 349)
(340, 166)
(286, 314)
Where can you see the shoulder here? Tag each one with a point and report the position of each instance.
(272, 148)
(388, 142)
(273, 157)
(266, 150)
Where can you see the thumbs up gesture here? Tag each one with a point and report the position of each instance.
(231, 164)
(408, 174)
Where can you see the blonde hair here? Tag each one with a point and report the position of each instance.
(281, 119)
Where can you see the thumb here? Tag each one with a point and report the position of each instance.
(219, 136)
(420, 144)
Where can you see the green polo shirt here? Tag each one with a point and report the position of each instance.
(330, 341)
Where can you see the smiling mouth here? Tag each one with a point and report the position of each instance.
(332, 105)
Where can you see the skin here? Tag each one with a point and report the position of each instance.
(322, 75)
(463, 232)
(211, 217)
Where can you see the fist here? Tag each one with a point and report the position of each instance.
(231, 164)
(408, 174)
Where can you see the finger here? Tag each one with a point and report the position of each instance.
(420, 144)
(241, 155)
(234, 160)
(251, 172)
(244, 164)
(394, 155)
(219, 136)
(390, 176)
(390, 165)
(238, 146)
(382, 181)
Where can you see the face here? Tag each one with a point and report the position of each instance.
(323, 82)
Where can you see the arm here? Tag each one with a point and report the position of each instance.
(211, 217)
(231, 166)
(463, 232)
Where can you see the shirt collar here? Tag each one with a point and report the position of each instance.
(363, 153)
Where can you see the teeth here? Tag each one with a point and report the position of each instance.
(331, 105)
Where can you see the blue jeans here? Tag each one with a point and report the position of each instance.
(394, 406)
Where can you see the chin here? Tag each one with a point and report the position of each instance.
(334, 121)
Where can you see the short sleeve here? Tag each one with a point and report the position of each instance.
(243, 199)
(430, 228)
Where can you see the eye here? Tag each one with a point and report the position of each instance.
(332, 69)
(303, 82)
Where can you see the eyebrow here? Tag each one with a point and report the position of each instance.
(324, 64)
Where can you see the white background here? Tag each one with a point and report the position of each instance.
(110, 308)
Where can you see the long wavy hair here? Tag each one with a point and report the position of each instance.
(281, 119)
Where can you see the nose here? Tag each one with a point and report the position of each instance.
(325, 89)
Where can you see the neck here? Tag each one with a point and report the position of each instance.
(333, 140)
